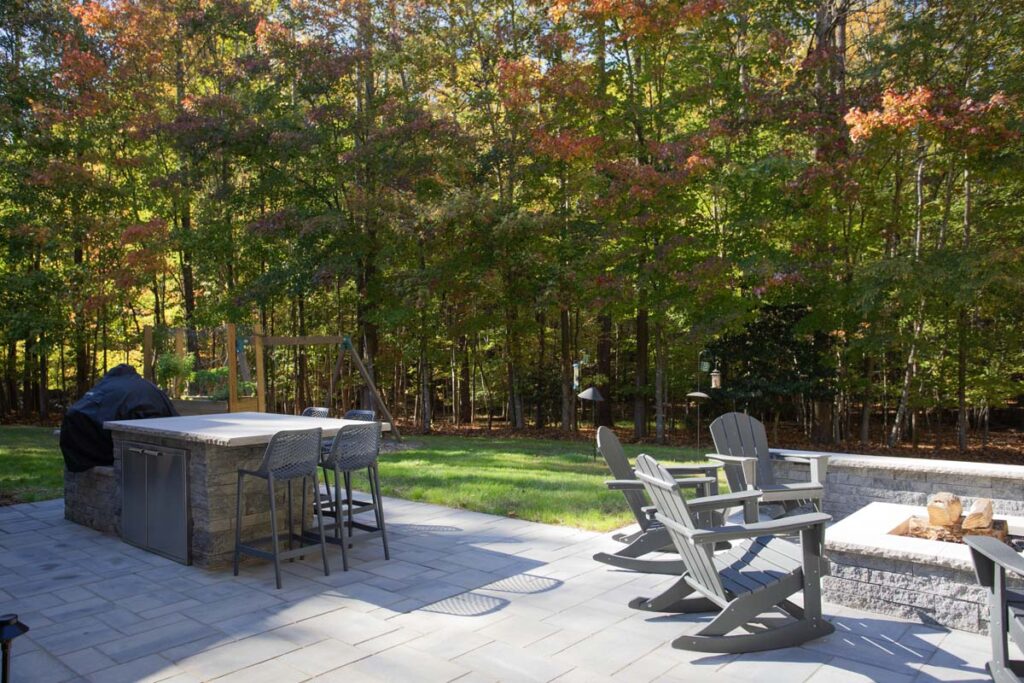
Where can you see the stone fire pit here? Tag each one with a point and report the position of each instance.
(875, 568)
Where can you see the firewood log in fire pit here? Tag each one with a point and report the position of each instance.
(980, 515)
(944, 509)
(945, 521)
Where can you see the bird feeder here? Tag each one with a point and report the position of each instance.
(716, 379)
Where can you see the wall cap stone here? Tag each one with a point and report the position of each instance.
(888, 462)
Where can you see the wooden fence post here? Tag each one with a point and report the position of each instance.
(261, 380)
(232, 368)
(148, 361)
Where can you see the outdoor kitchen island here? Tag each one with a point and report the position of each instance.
(176, 478)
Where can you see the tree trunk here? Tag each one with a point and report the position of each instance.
(44, 380)
(568, 398)
(640, 384)
(368, 336)
(303, 398)
(11, 375)
(604, 369)
(27, 374)
(899, 421)
(515, 398)
(465, 403)
(80, 341)
(188, 289)
(961, 382)
(984, 427)
(821, 430)
(538, 381)
(865, 408)
(426, 388)
(660, 363)
(961, 356)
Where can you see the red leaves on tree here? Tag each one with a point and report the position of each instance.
(963, 123)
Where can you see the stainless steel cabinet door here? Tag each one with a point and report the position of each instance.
(133, 498)
(154, 499)
(167, 504)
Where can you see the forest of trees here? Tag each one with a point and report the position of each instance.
(825, 195)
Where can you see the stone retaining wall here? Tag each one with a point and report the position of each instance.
(929, 590)
(917, 591)
(856, 480)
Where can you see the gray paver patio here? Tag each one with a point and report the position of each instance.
(467, 597)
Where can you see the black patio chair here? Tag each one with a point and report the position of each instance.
(290, 455)
(992, 560)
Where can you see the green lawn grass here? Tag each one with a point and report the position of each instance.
(31, 467)
(557, 482)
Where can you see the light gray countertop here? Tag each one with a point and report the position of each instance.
(226, 429)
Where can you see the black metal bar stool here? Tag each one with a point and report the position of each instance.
(316, 411)
(290, 455)
(355, 447)
(359, 505)
(361, 415)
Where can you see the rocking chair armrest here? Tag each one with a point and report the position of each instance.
(747, 464)
(730, 459)
(731, 532)
(995, 551)
(707, 469)
(817, 461)
(624, 485)
(722, 501)
(694, 482)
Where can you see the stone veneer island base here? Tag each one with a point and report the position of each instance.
(212, 448)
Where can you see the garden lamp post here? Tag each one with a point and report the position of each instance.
(592, 394)
(10, 628)
(716, 383)
(698, 398)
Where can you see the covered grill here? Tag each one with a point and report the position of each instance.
(120, 395)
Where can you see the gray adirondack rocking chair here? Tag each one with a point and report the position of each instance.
(652, 535)
(992, 560)
(742, 446)
(757, 575)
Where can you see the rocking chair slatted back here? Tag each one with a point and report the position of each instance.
(611, 450)
(741, 435)
(671, 506)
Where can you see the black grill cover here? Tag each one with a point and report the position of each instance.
(120, 395)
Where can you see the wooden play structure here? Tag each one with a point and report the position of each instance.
(238, 365)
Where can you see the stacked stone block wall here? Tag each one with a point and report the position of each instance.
(922, 592)
(93, 498)
(854, 481)
(936, 593)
